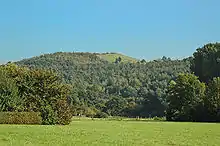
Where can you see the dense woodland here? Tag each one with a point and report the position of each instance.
(61, 85)
(116, 89)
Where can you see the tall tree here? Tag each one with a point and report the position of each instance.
(185, 96)
(9, 97)
(206, 62)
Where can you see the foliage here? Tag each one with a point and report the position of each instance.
(91, 84)
(115, 106)
(63, 112)
(83, 111)
(20, 118)
(96, 81)
(33, 90)
(159, 119)
(212, 100)
(9, 98)
(49, 117)
(101, 115)
(206, 62)
(185, 96)
(151, 106)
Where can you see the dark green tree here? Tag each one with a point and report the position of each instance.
(206, 62)
(9, 95)
(115, 106)
(184, 98)
(212, 100)
(143, 61)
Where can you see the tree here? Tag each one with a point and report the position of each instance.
(35, 90)
(143, 61)
(206, 62)
(118, 60)
(212, 100)
(115, 106)
(46, 91)
(184, 98)
(129, 92)
(9, 97)
(152, 106)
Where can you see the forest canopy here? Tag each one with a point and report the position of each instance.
(61, 85)
(116, 88)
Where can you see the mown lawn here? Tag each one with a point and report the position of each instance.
(103, 133)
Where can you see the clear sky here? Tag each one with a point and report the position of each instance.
(140, 28)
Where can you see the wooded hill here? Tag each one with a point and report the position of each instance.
(124, 87)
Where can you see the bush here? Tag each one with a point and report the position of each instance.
(101, 115)
(90, 112)
(48, 115)
(20, 118)
(159, 119)
(64, 112)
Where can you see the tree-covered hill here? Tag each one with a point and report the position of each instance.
(114, 87)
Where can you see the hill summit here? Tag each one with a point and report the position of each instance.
(111, 57)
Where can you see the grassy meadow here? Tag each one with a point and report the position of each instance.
(111, 57)
(103, 133)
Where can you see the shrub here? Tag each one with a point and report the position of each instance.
(20, 118)
(159, 119)
(48, 115)
(64, 112)
(90, 112)
(101, 115)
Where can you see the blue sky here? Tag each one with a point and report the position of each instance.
(140, 28)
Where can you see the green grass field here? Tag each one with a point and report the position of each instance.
(112, 57)
(103, 133)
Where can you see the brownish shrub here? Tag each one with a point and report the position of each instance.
(63, 112)
(20, 118)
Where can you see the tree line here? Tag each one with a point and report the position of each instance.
(65, 84)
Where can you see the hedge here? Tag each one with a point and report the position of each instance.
(20, 118)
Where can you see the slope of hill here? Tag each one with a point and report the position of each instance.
(125, 88)
(111, 57)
